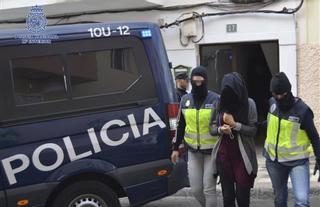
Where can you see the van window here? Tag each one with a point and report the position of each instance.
(102, 72)
(74, 77)
(38, 79)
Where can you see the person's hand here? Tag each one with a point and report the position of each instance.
(228, 119)
(316, 168)
(225, 129)
(174, 156)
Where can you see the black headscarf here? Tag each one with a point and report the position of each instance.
(280, 84)
(234, 97)
(199, 92)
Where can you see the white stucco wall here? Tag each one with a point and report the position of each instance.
(251, 28)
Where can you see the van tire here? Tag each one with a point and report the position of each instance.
(92, 192)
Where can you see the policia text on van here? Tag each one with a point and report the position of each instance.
(77, 120)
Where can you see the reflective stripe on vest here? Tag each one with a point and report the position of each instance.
(293, 143)
(197, 133)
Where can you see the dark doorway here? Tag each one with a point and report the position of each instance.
(255, 61)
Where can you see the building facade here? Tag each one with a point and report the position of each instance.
(308, 53)
(255, 44)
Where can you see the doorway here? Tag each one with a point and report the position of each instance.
(255, 61)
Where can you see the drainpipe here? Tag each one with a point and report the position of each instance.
(297, 55)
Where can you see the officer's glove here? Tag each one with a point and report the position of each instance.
(317, 168)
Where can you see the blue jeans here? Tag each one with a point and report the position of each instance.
(300, 179)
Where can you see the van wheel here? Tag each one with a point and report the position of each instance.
(86, 194)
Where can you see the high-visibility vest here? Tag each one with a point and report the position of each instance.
(197, 131)
(286, 141)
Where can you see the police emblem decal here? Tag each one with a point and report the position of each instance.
(208, 106)
(36, 20)
(36, 23)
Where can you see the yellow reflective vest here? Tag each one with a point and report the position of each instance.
(286, 141)
(197, 131)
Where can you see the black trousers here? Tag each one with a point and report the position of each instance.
(232, 192)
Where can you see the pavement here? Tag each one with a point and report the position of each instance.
(262, 186)
(178, 201)
(261, 194)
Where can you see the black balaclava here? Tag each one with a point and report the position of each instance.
(199, 92)
(280, 84)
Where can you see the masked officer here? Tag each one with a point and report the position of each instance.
(193, 127)
(290, 135)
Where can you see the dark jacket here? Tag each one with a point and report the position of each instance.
(180, 92)
(307, 124)
(189, 101)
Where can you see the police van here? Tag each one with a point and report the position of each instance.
(87, 119)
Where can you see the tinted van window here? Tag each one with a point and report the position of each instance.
(74, 77)
(38, 79)
(102, 72)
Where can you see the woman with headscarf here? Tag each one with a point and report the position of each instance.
(234, 157)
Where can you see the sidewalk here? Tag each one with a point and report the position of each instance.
(263, 187)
